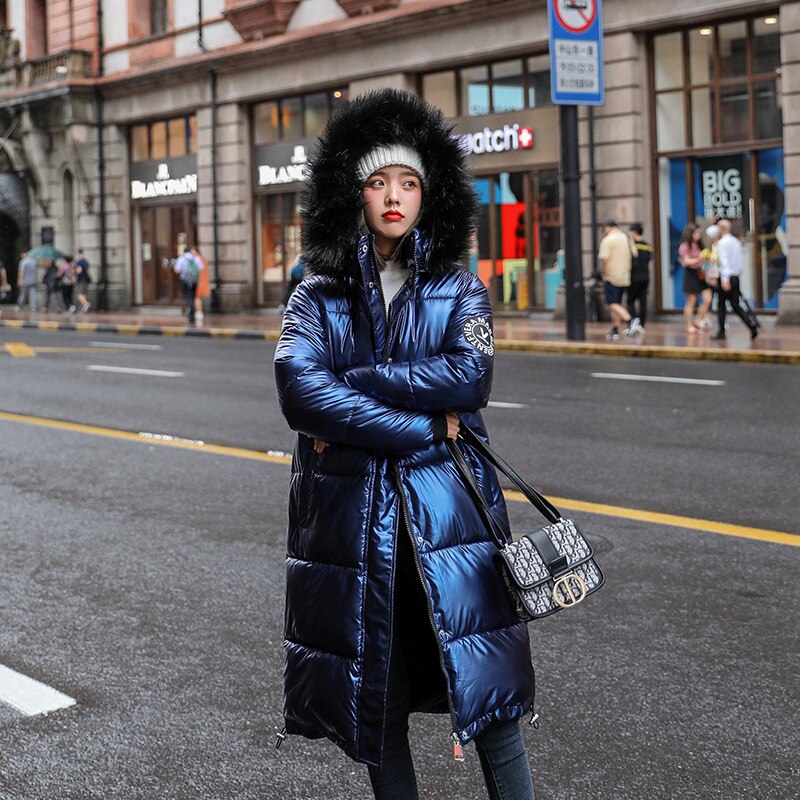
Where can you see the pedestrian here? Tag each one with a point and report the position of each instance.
(384, 346)
(709, 256)
(82, 280)
(694, 285)
(295, 276)
(5, 286)
(615, 256)
(730, 261)
(188, 267)
(26, 281)
(50, 279)
(66, 280)
(203, 285)
(640, 274)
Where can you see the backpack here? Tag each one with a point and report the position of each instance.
(191, 274)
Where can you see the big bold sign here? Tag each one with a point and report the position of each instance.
(576, 52)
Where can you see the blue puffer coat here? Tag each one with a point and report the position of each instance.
(371, 389)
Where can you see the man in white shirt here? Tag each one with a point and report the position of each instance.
(730, 262)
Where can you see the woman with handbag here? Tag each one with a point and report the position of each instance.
(694, 285)
(384, 346)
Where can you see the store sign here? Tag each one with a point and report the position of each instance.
(722, 187)
(169, 178)
(499, 140)
(292, 172)
(282, 163)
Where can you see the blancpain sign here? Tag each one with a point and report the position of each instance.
(164, 185)
(498, 140)
(287, 173)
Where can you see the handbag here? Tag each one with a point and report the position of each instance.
(546, 570)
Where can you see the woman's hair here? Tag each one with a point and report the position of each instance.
(712, 231)
(688, 233)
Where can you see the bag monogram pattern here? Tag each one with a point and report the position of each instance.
(529, 582)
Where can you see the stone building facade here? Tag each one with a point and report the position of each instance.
(209, 109)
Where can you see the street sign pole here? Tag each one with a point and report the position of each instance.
(576, 72)
(570, 182)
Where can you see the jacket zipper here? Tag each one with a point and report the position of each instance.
(396, 315)
(458, 753)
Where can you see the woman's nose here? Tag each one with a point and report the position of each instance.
(392, 195)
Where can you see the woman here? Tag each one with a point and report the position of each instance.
(384, 346)
(690, 256)
(66, 278)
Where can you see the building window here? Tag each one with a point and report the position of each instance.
(501, 86)
(717, 84)
(295, 117)
(159, 17)
(171, 138)
(718, 148)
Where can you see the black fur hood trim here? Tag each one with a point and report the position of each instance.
(332, 203)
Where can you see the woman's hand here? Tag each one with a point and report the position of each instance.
(319, 445)
(452, 424)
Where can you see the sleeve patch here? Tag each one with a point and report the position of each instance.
(478, 332)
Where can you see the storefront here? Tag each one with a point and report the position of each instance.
(284, 133)
(718, 148)
(515, 159)
(163, 193)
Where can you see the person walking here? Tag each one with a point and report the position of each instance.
(82, 280)
(66, 280)
(295, 276)
(188, 267)
(615, 256)
(51, 284)
(640, 275)
(694, 285)
(26, 281)
(730, 261)
(203, 285)
(384, 348)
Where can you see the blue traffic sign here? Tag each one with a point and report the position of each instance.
(576, 52)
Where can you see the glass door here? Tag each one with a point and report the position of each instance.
(166, 231)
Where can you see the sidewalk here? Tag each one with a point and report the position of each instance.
(537, 334)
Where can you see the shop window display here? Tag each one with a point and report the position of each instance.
(726, 78)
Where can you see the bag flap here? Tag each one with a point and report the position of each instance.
(526, 565)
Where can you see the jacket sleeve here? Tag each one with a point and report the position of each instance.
(317, 403)
(460, 379)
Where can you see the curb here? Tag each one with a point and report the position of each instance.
(140, 330)
(645, 351)
(509, 345)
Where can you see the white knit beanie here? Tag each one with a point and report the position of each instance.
(387, 155)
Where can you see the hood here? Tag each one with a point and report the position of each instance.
(332, 203)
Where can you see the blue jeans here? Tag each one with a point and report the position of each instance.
(500, 748)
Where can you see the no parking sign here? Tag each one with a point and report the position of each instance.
(576, 52)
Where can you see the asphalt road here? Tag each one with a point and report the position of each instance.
(146, 582)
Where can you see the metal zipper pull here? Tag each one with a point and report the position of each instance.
(458, 753)
(280, 737)
(534, 720)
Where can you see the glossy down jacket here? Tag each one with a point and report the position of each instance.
(370, 388)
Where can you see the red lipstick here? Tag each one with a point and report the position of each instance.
(393, 215)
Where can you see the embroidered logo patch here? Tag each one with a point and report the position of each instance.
(478, 332)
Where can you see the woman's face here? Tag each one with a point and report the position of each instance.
(697, 235)
(392, 201)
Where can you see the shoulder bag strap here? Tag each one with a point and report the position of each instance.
(468, 476)
(542, 504)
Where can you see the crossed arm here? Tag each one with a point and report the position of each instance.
(395, 407)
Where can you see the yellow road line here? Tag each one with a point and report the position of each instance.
(146, 438)
(673, 520)
(620, 512)
(19, 350)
